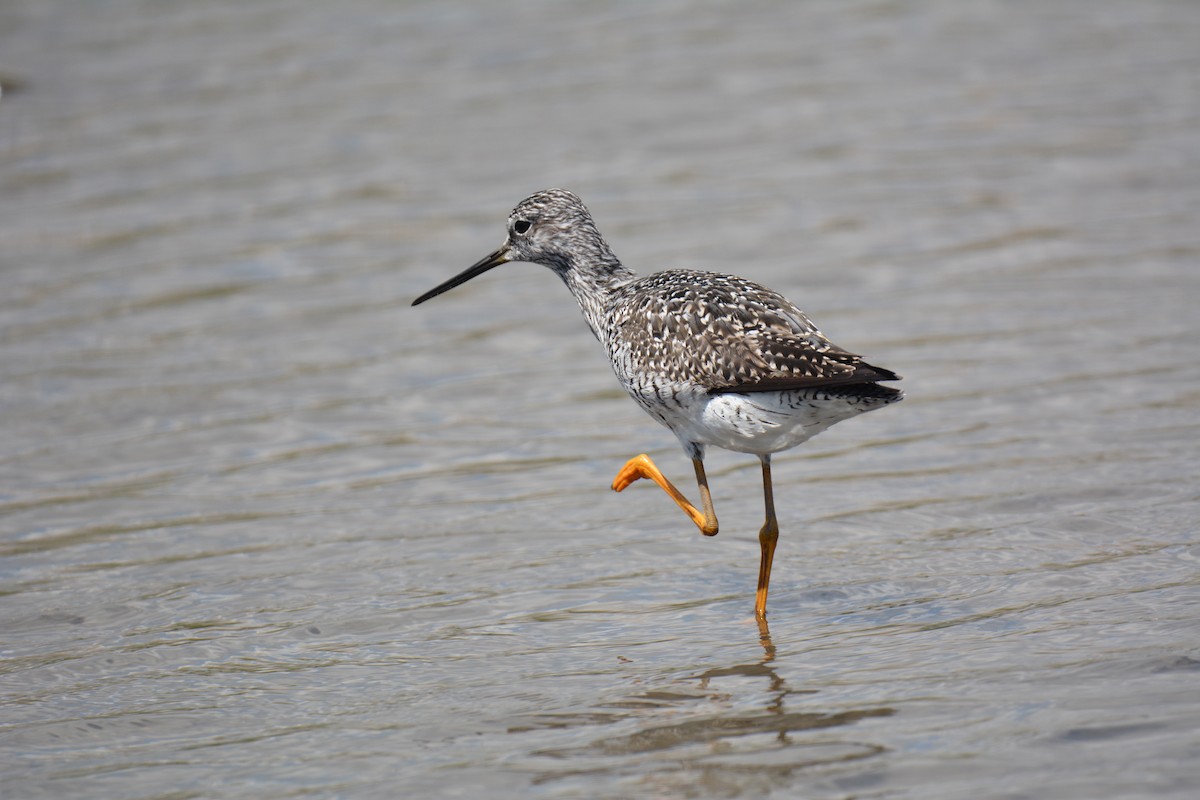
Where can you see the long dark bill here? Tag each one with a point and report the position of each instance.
(494, 260)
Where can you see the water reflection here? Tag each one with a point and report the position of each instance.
(713, 725)
(764, 638)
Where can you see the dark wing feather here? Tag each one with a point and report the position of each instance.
(731, 335)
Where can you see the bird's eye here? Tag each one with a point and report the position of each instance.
(521, 226)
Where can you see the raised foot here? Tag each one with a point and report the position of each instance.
(635, 469)
(641, 466)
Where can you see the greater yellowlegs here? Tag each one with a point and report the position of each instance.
(717, 359)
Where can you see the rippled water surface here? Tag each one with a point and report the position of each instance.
(267, 531)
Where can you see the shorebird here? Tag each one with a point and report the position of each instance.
(719, 360)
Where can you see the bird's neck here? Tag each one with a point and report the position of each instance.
(593, 282)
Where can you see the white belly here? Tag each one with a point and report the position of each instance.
(759, 422)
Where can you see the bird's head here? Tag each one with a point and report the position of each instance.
(552, 228)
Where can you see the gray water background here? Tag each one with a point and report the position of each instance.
(267, 531)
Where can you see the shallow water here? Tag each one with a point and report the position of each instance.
(267, 531)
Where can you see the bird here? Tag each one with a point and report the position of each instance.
(719, 360)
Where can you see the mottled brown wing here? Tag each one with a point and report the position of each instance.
(731, 335)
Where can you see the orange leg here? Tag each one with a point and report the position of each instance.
(767, 537)
(642, 467)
